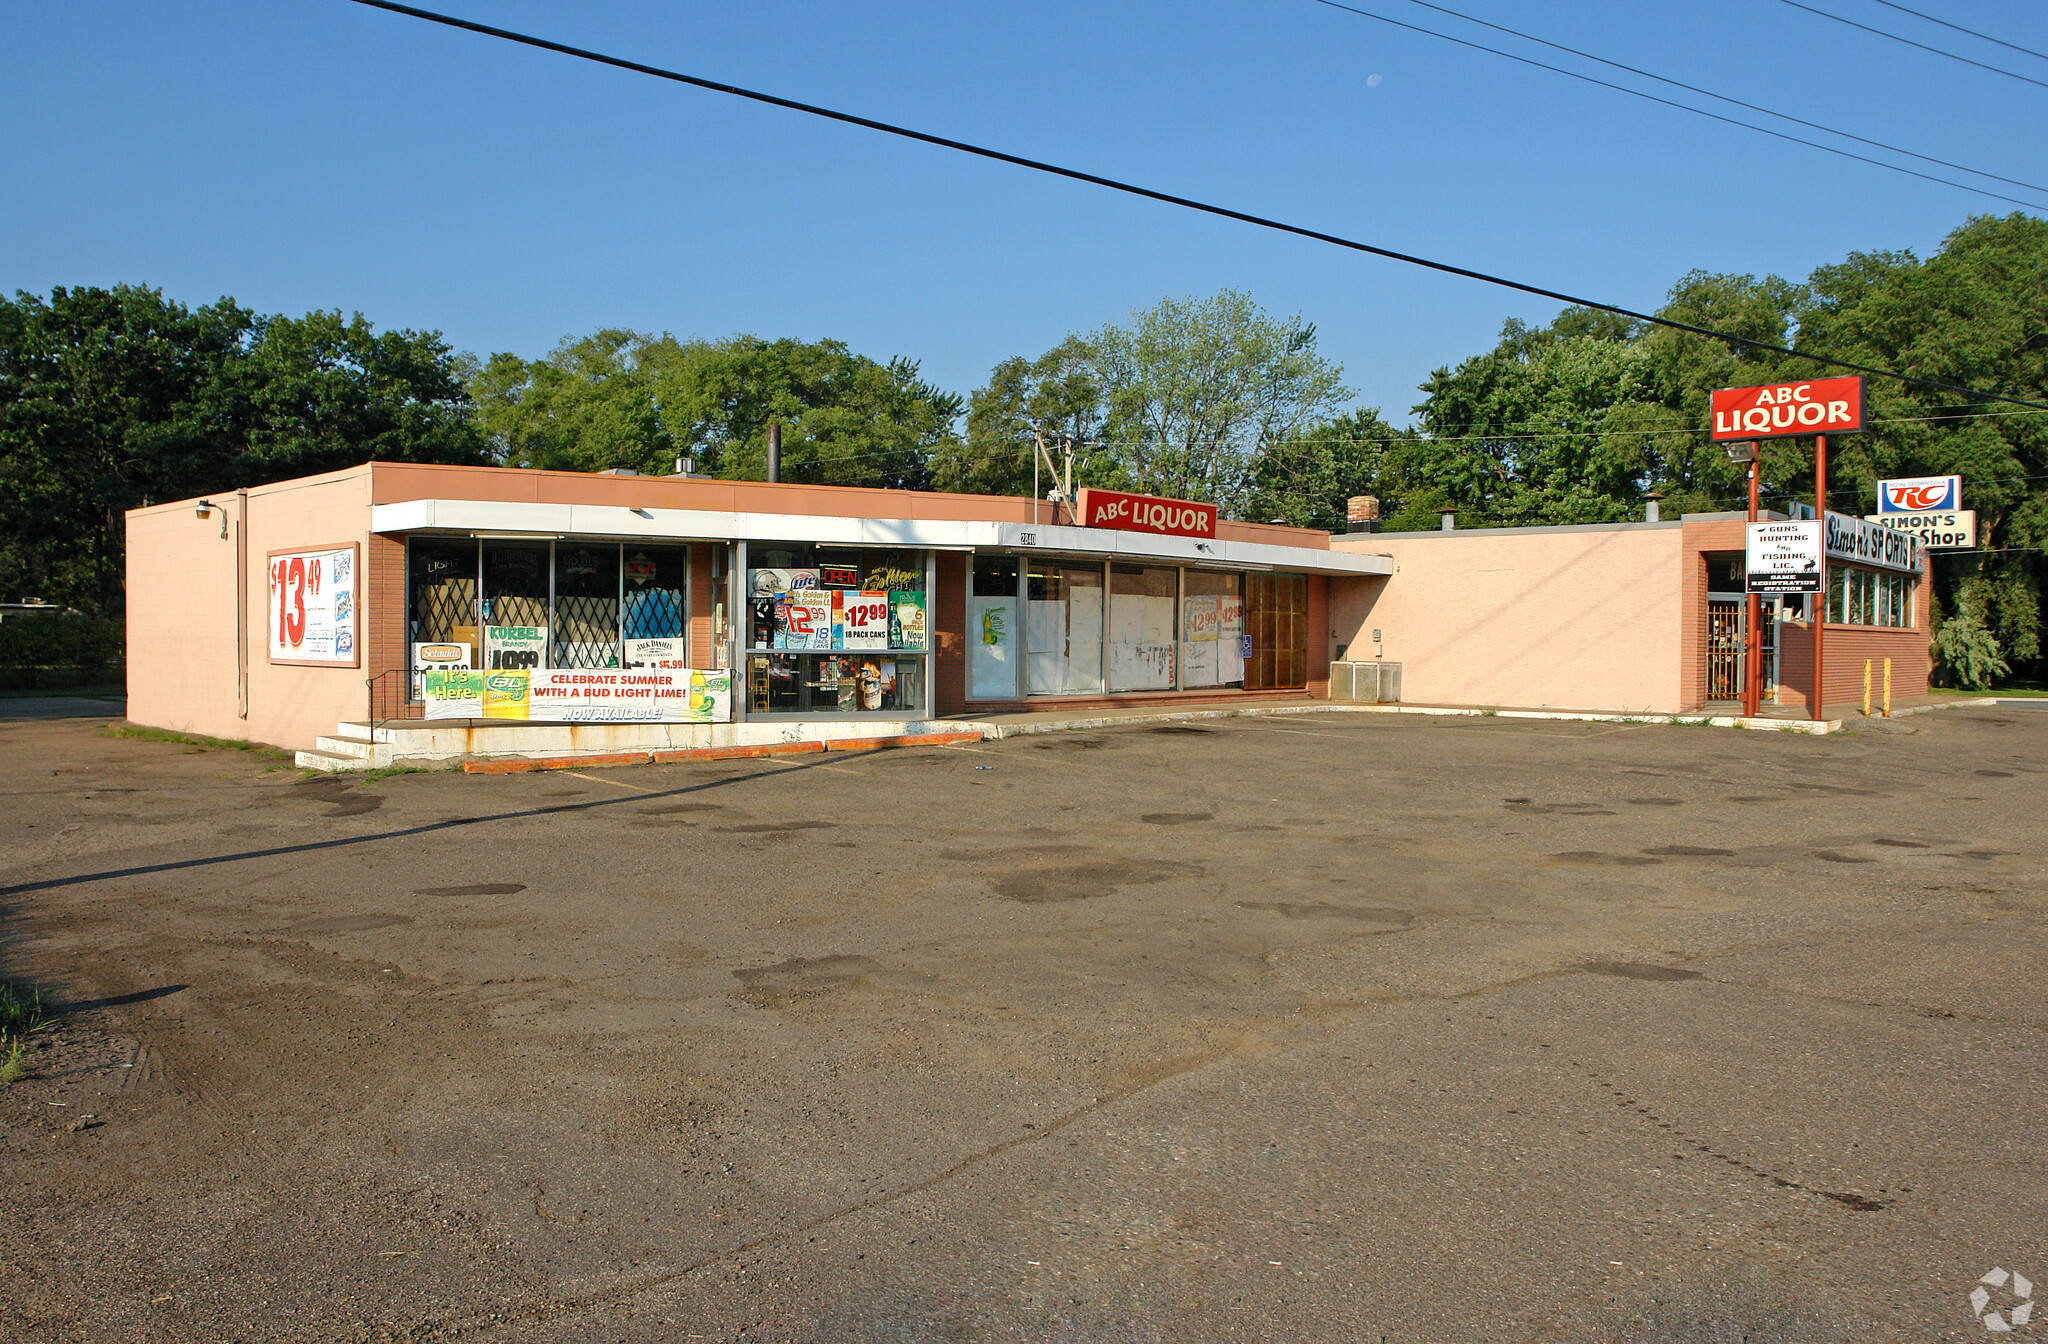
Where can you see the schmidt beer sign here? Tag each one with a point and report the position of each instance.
(1146, 513)
(1788, 410)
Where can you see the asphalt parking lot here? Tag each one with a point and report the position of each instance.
(1338, 1028)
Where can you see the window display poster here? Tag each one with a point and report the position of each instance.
(514, 647)
(667, 654)
(438, 657)
(864, 621)
(644, 695)
(992, 647)
(907, 626)
(1231, 645)
(313, 607)
(769, 582)
(453, 693)
(803, 619)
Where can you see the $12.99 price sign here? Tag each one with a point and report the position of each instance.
(864, 621)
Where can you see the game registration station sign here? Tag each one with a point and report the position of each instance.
(1784, 557)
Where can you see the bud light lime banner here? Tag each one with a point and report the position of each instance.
(631, 695)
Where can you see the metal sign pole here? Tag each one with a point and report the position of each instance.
(1753, 652)
(1819, 612)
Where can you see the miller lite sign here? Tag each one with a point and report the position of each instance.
(1920, 494)
(1789, 410)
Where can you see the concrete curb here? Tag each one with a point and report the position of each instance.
(998, 731)
(518, 765)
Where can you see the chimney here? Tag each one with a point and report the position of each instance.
(1450, 519)
(1362, 513)
(1650, 506)
(774, 452)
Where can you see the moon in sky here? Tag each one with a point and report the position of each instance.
(1372, 81)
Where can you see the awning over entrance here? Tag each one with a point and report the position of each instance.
(468, 516)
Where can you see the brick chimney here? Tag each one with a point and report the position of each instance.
(1362, 513)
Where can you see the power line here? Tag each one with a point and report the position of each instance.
(1996, 70)
(1986, 37)
(1733, 102)
(1682, 107)
(1223, 212)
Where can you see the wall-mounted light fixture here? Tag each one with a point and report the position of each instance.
(203, 507)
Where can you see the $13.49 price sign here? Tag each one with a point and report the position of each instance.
(313, 607)
(864, 621)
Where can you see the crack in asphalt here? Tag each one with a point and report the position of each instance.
(428, 828)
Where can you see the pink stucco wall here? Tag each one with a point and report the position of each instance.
(182, 660)
(1534, 618)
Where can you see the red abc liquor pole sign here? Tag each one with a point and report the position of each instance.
(1146, 513)
(1789, 410)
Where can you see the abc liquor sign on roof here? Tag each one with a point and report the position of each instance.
(1146, 513)
(1789, 410)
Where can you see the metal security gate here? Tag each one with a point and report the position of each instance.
(1726, 629)
(1724, 650)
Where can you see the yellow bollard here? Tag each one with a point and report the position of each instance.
(1887, 688)
(1866, 688)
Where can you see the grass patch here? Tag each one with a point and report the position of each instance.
(193, 742)
(21, 1013)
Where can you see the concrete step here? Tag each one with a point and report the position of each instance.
(359, 747)
(329, 761)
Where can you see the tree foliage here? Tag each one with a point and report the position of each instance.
(114, 398)
(621, 398)
(1182, 400)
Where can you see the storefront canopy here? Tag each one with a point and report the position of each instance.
(465, 517)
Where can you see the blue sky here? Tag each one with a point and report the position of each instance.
(302, 154)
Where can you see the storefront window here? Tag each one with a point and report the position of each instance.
(565, 604)
(995, 628)
(1063, 628)
(835, 630)
(654, 606)
(1212, 630)
(1858, 596)
(1142, 627)
(515, 604)
(1276, 623)
(585, 628)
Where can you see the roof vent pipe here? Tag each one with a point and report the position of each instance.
(1450, 519)
(1650, 506)
(774, 452)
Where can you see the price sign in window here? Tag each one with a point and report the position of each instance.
(864, 621)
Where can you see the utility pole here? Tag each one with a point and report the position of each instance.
(1753, 651)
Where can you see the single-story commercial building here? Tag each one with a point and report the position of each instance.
(478, 610)
(1638, 618)
(683, 611)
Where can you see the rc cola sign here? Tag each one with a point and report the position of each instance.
(1920, 494)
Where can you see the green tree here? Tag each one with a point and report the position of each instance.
(626, 399)
(1194, 390)
(1054, 399)
(1309, 481)
(114, 398)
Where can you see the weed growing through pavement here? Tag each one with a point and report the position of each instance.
(21, 1012)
